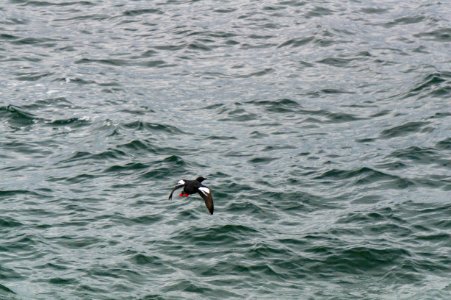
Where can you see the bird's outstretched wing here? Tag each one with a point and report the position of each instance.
(205, 193)
(176, 187)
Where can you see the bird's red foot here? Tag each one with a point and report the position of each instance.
(183, 195)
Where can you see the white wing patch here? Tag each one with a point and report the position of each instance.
(204, 190)
(181, 182)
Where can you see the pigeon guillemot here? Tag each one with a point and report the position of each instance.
(195, 186)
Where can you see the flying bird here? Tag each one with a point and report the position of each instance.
(195, 186)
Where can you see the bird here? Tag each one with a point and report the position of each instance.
(195, 186)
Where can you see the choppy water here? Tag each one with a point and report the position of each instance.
(323, 127)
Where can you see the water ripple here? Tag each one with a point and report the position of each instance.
(322, 130)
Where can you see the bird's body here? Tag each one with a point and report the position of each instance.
(195, 186)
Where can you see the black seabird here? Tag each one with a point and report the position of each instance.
(195, 186)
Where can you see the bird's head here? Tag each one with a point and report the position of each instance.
(200, 179)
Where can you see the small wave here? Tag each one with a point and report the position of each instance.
(170, 47)
(154, 127)
(63, 281)
(258, 135)
(123, 62)
(32, 76)
(439, 35)
(324, 116)
(402, 130)
(9, 193)
(435, 84)
(165, 168)
(108, 154)
(215, 235)
(127, 167)
(8, 37)
(79, 178)
(444, 145)
(371, 218)
(334, 91)
(46, 3)
(233, 187)
(221, 138)
(225, 10)
(418, 155)
(297, 42)
(78, 242)
(288, 105)
(110, 61)
(274, 251)
(249, 208)
(278, 147)
(73, 122)
(43, 42)
(137, 12)
(240, 115)
(20, 117)
(60, 102)
(318, 11)
(214, 106)
(341, 117)
(153, 260)
(336, 61)
(429, 81)
(280, 105)
(297, 201)
(381, 113)
(21, 242)
(405, 21)
(365, 175)
(152, 296)
(198, 46)
(96, 17)
(104, 155)
(5, 289)
(374, 10)
(362, 259)
(367, 199)
(263, 72)
(9, 222)
(262, 160)
(187, 287)
(146, 219)
(441, 237)
(139, 146)
(6, 272)
(17, 116)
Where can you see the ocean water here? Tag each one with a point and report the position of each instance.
(323, 129)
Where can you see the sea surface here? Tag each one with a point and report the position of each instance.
(323, 129)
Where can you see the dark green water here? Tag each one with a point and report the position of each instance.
(324, 129)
